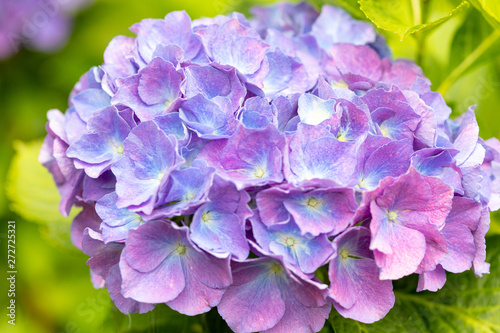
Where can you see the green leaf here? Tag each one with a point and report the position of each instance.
(468, 37)
(465, 304)
(403, 17)
(33, 194)
(490, 9)
(164, 319)
(486, 45)
(494, 224)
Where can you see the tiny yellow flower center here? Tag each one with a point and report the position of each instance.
(205, 217)
(160, 176)
(339, 84)
(392, 216)
(181, 249)
(341, 137)
(312, 202)
(363, 183)
(259, 172)
(384, 130)
(189, 196)
(276, 268)
(119, 149)
(344, 253)
(290, 241)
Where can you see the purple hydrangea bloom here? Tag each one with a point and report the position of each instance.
(219, 225)
(305, 252)
(225, 162)
(149, 158)
(160, 264)
(315, 210)
(407, 215)
(356, 290)
(103, 146)
(40, 25)
(273, 299)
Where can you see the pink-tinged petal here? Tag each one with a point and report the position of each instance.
(217, 231)
(440, 202)
(207, 278)
(374, 297)
(426, 129)
(294, 18)
(480, 265)
(149, 158)
(125, 305)
(161, 264)
(134, 192)
(159, 83)
(465, 138)
(391, 159)
(334, 25)
(212, 82)
(317, 154)
(87, 218)
(356, 288)
(403, 73)
(271, 207)
(238, 46)
(266, 297)
(359, 60)
(306, 308)
(102, 256)
(128, 95)
(436, 248)
(253, 302)
(160, 285)
(116, 64)
(461, 247)
(303, 251)
(322, 211)
(250, 157)
(416, 192)
(150, 245)
(97, 281)
(196, 297)
(398, 250)
(432, 280)
(89, 101)
(175, 29)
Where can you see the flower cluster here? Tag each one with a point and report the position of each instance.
(43, 25)
(223, 161)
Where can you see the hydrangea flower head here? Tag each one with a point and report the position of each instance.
(222, 162)
(41, 25)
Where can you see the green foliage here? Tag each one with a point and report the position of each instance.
(403, 17)
(465, 304)
(34, 195)
(468, 37)
(490, 10)
(164, 319)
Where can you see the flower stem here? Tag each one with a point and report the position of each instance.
(468, 61)
(418, 19)
(417, 13)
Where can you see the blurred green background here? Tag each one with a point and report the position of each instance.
(53, 291)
